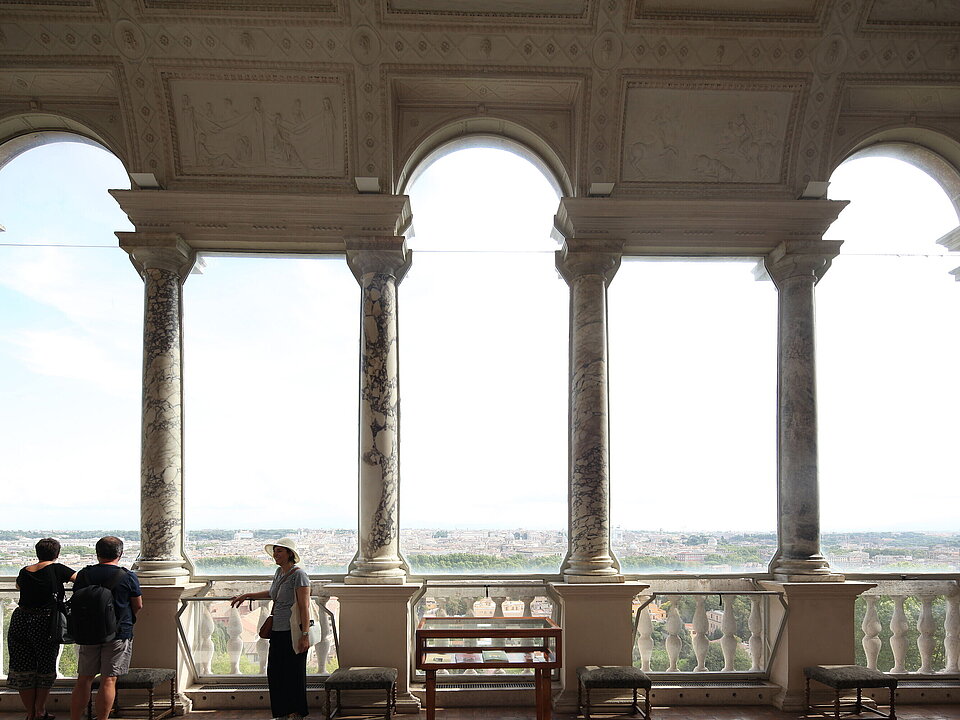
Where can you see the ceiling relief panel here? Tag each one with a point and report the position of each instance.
(913, 99)
(59, 83)
(691, 133)
(889, 14)
(284, 126)
(484, 10)
(776, 11)
(208, 7)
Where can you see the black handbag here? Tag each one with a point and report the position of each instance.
(58, 621)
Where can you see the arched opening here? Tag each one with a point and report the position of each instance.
(885, 346)
(70, 351)
(483, 317)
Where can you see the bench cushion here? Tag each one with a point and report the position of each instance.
(142, 678)
(844, 677)
(613, 676)
(361, 678)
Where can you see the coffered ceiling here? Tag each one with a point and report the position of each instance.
(703, 98)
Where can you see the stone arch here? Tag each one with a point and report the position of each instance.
(930, 151)
(25, 131)
(486, 132)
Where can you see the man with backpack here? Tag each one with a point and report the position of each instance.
(106, 600)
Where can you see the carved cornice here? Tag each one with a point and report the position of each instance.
(260, 222)
(689, 228)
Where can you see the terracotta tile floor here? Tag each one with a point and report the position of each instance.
(912, 712)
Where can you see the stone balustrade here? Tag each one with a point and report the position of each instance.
(910, 628)
(710, 627)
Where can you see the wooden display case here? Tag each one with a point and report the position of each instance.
(464, 643)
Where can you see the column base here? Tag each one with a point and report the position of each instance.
(374, 580)
(799, 578)
(162, 572)
(593, 578)
(815, 569)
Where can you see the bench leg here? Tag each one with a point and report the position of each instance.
(634, 708)
(646, 704)
(893, 709)
(387, 714)
(836, 705)
(586, 713)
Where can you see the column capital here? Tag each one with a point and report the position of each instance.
(801, 258)
(164, 251)
(580, 257)
(386, 255)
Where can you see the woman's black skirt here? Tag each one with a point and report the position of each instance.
(286, 676)
(33, 654)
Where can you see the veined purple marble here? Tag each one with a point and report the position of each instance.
(588, 271)
(379, 265)
(163, 267)
(795, 270)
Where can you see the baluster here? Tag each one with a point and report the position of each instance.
(951, 632)
(528, 605)
(322, 648)
(234, 643)
(871, 631)
(898, 641)
(700, 641)
(925, 641)
(645, 638)
(728, 643)
(263, 644)
(673, 642)
(755, 623)
(204, 656)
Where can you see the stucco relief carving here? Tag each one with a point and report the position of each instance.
(365, 45)
(129, 39)
(915, 11)
(607, 50)
(267, 128)
(832, 53)
(706, 136)
(882, 98)
(62, 83)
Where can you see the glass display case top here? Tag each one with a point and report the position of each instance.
(481, 624)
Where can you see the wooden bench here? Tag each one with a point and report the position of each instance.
(148, 679)
(847, 677)
(362, 678)
(617, 677)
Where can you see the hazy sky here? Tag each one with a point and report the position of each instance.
(271, 348)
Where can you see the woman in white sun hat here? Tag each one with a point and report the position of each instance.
(286, 669)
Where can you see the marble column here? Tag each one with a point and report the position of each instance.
(379, 264)
(588, 267)
(163, 261)
(795, 268)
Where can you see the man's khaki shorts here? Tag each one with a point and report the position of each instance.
(110, 659)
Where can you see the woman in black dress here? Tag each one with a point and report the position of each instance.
(33, 652)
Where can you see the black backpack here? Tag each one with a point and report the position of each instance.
(91, 615)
